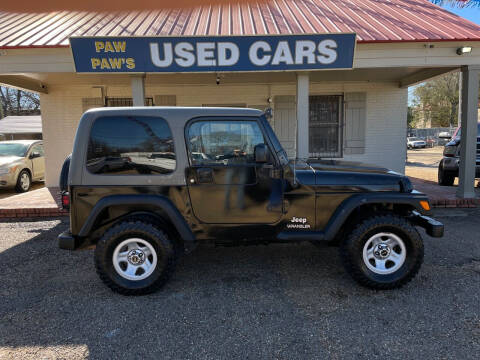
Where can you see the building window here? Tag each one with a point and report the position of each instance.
(326, 126)
(128, 145)
(124, 101)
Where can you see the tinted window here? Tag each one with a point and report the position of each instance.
(223, 142)
(130, 146)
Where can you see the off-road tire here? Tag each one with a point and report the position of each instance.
(18, 186)
(351, 251)
(445, 178)
(164, 249)
(63, 183)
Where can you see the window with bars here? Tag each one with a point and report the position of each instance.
(125, 101)
(326, 125)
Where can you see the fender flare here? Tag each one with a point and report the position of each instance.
(156, 201)
(349, 205)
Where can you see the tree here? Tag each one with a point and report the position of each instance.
(458, 3)
(436, 101)
(18, 102)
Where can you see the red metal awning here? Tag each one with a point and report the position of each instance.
(372, 20)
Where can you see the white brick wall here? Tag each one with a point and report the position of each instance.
(385, 131)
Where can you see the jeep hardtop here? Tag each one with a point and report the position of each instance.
(147, 184)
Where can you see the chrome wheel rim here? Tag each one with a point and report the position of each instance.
(384, 253)
(24, 181)
(134, 259)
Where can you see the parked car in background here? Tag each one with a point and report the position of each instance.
(21, 163)
(430, 141)
(448, 167)
(415, 143)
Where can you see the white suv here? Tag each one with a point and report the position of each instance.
(415, 143)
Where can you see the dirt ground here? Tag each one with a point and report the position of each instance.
(423, 163)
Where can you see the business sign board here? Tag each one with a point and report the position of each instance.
(212, 53)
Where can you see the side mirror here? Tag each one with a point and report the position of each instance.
(444, 135)
(34, 155)
(261, 153)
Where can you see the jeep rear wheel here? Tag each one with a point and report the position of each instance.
(383, 252)
(134, 258)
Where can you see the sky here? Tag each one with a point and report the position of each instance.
(471, 13)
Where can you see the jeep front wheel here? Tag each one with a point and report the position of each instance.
(383, 252)
(134, 258)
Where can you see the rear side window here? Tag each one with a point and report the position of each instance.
(130, 145)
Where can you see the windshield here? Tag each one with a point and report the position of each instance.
(459, 131)
(12, 149)
(414, 139)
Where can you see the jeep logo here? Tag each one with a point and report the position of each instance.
(298, 220)
(298, 223)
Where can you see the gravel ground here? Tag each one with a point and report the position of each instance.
(279, 301)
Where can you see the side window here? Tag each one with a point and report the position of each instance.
(126, 145)
(223, 142)
(39, 149)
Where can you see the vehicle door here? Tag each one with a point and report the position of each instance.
(227, 182)
(37, 156)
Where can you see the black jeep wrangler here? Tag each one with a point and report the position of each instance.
(145, 185)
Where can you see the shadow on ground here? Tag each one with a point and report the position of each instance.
(278, 301)
(420, 164)
(6, 193)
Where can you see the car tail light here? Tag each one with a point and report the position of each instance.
(66, 200)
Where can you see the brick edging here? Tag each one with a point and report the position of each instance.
(32, 212)
(455, 203)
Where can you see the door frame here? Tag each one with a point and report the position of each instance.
(275, 162)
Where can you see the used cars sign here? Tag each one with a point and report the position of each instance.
(213, 54)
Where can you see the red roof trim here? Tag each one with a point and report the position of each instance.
(358, 42)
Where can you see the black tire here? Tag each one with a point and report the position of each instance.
(445, 178)
(351, 251)
(160, 242)
(19, 188)
(64, 174)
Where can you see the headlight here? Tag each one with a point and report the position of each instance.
(6, 170)
(449, 151)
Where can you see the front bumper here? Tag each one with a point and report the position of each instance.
(433, 227)
(7, 180)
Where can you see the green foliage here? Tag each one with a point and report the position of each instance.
(435, 102)
(410, 117)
